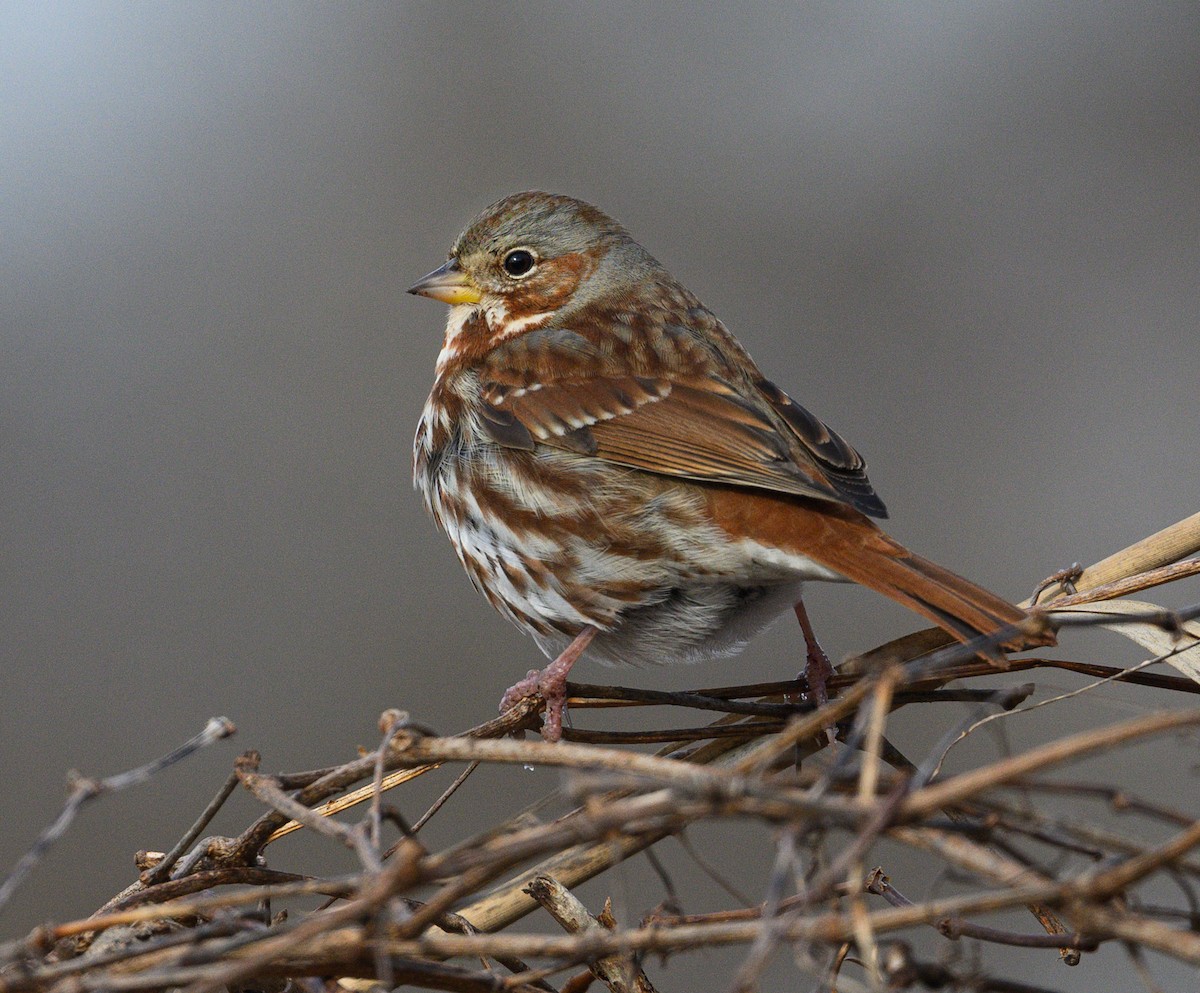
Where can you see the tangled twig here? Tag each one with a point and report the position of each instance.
(205, 916)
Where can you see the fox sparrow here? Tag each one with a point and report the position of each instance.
(617, 475)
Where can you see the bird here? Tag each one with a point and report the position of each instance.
(619, 479)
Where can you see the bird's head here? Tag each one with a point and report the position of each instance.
(535, 257)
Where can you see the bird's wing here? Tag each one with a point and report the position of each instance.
(837, 460)
(697, 426)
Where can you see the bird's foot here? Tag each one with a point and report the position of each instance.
(550, 684)
(818, 670)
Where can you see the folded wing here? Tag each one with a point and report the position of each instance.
(699, 427)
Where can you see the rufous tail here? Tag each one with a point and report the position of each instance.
(861, 552)
(842, 539)
(954, 604)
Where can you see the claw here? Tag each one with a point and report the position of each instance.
(550, 684)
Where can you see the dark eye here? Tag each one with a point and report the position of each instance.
(518, 262)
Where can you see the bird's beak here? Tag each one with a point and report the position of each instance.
(449, 284)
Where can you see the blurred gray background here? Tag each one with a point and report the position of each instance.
(966, 235)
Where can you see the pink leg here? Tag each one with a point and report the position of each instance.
(817, 668)
(550, 684)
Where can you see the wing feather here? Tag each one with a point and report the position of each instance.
(693, 424)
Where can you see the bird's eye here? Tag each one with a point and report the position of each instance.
(519, 262)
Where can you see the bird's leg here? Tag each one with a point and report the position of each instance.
(550, 684)
(817, 668)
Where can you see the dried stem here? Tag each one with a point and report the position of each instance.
(439, 917)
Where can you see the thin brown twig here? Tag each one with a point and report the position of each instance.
(159, 872)
(740, 769)
(84, 790)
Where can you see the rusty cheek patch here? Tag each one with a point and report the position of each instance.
(552, 287)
